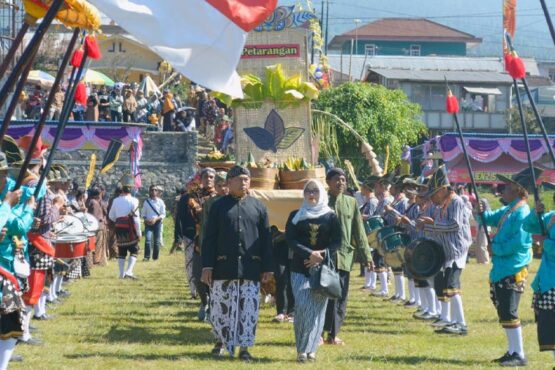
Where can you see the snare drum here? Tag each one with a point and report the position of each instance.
(71, 246)
(382, 233)
(372, 225)
(394, 246)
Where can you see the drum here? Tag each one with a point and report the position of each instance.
(382, 233)
(90, 223)
(91, 242)
(394, 247)
(69, 225)
(70, 246)
(372, 225)
(424, 258)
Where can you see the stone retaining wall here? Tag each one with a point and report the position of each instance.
(168, 160)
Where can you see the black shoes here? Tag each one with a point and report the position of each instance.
(218, 350)
(244, 355)
(514, 360)
(456, 329)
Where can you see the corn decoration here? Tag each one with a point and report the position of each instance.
(74, 13)
(90, 174)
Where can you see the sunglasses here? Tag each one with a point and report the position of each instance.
(311, 191)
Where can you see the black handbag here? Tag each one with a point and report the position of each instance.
(324, 279)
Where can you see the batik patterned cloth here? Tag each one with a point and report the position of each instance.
(189, 254)
(234, 307)
(310, 314)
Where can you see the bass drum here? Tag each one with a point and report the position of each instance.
(394, 247)
(371, 226)
(424, 258)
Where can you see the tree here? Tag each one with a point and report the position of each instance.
(385, 117)
(513, 119)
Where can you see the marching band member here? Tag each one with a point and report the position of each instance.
(393, 212)
(11, 315)
(451, 224)
(429, 303)
(410, 188)
(12, 262)
(367, 210)
(544, 282)
(353, 238)
(128, 228)
(384, 199)
(511, 254)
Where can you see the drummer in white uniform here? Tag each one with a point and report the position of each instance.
(124, 213)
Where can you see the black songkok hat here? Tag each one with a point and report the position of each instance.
(335, 171)
(238, 171)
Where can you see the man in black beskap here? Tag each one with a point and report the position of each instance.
(236, 255)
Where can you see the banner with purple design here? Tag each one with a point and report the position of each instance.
(81, 135)
(491, 154)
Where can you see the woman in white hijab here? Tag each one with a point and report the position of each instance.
(311, 232)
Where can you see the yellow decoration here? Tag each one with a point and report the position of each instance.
(352, 173)
(90, 175)
(74, 13)
(386, 159)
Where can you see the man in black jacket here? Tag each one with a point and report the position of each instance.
(236, 255)
(187, 227)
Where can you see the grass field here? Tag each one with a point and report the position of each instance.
(151, 324)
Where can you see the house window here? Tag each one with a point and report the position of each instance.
(415, 50)
(552, 74)
(370, 49)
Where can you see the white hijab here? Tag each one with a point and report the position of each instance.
(308, 211)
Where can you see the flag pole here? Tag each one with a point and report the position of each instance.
(64, 117)
(516, 69)
(13, 48)
(533, 104)
(528, 155)
(40, 125)
(16, 94)
(29, 50)
(548, 19)
(454, 111)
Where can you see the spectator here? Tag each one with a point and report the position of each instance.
(92, 108)
(142, 107)
(168, 110)
(116, 105)
(129, 106)
(104, 105)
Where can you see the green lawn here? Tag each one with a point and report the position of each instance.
(151, 323)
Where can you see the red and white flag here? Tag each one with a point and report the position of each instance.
(203, 39)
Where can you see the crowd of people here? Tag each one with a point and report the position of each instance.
(128, 103)
(231, 250)
(31, 272)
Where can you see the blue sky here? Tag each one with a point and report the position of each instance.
(481, 18)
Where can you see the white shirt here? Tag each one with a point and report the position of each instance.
(123, 206)
(158, 204)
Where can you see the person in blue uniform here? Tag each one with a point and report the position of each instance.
(511, 254)
(543, 285)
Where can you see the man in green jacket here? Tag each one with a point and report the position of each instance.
(353, 237)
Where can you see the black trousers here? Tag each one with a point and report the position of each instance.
(337, 308)
(285, 301)
(203, 290)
